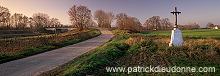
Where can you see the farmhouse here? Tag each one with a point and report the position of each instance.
(216, 27)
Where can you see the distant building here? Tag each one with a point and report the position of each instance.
(216, 27)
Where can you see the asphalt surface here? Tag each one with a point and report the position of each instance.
(37, 64)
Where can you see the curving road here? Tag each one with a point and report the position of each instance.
(37, 64)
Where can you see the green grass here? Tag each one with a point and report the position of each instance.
(19, 34)
(126, 51)
(118, 53)
(29, 52)
(204, 33)
(190, 33)
(92, 61)
(23, 36)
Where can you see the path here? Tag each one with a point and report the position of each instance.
(37, 64)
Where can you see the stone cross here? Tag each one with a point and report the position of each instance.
(175, 13)
(176, 35)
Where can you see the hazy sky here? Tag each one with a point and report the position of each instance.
(199, 11)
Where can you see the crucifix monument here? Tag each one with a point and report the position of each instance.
(176, 36)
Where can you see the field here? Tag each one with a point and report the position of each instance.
(148, 49)
(17, 33)
(190, 33)
(16, 48)
(200, 33)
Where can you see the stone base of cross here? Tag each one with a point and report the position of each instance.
(176, 38)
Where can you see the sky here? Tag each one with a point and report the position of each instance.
(193, 11)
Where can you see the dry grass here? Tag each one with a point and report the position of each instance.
(146, 51)
(193, 49)
(12, 46)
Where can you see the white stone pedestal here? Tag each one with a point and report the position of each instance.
(176, 38)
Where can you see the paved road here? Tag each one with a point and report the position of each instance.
(35, 65)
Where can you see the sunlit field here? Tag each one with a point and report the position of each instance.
(190, 33)
(136, 49)
(109, 38)
(20, 47)
(17, 33)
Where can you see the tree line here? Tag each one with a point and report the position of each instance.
(190, 26)
(81, 17)
(155, 23)
(18, 21)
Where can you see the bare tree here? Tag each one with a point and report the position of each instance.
(155, 23)
(79, 16)
(120, 22)
(109, 18)
(132, 24)
(40, 20)
(125, 22)
(20, 21)
(148, 24)
(4, 17)
(99, 16)
(23, 22)
(104, 19)
(54, 22)
(92, 23)
(31, 22)
(165, 23)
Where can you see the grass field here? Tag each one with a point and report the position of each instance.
(18, 33)
(12, 49)
(190, 33)
(129, 50)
